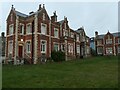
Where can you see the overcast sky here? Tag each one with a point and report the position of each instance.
(94, 16)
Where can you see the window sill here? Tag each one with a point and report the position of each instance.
(28, 52)
(43, 52)
(21, 34)
(28, 33)
(10, 35)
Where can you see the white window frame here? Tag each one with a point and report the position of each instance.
(109, 50)
(56, 35)
(70, 48)
(43, 16)
(28, 45)
(99, 42)
(22, 28)
(72, 34)
(99, 50)
(65, 32)
(54, 46)
(77, 36)
(43, 45)
(11, 29)
(109, 41)
(78, 49)
(10, 47)
(29, 30)
(63, 47)
(42, 29)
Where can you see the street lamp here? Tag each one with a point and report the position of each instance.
(21, 39)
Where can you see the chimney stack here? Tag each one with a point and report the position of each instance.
(3, 34)
(54, 17)
(39, 7)
(65, 19)
(43, 5)
(96, 33)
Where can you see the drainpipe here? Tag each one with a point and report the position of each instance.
(32, 58)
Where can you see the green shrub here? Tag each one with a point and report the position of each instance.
(58, 56)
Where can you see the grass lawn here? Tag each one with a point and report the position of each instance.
(97, 72)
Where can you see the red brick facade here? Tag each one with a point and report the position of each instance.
(37, 34)
(108, 44)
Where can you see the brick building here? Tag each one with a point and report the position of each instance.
(35, 35)
(107, 44)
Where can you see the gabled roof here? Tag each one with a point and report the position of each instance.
(100, 36)
(61, 22)
(21, 14)
(117, 34)
(80, 30)
(24, 15)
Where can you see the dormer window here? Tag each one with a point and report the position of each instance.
(43, 16)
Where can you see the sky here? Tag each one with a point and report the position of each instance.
(93, 16)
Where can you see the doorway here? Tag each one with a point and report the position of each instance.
(20, 51)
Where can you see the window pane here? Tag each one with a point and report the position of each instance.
(28, 28)
(21, 29)
(43, 46)
(78, 49)
(56, 47)
(55, 32)
(43, 29)
(11, 28)
(28, 46)
(10, 46)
